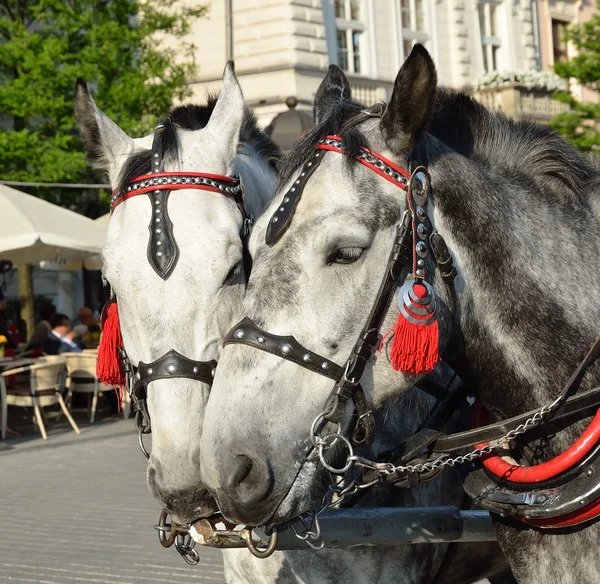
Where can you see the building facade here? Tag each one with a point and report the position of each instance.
(282, 48)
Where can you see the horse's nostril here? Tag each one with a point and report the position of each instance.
(249, 479)
(241, 467)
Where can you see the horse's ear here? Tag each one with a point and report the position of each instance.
(228, 115)
(411, 105)
(103, 140)
(334, 89)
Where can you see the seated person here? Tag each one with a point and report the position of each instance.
(42, 329)
(86, 318)
(61, 337)
(4, 331)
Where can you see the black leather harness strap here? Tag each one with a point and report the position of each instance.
(248, 333)
(174, 365)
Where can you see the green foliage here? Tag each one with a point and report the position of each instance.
(116, 45)
(579, 124)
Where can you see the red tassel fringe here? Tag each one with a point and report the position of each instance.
(415, 348)
(109, 368)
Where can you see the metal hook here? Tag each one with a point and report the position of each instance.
(246, 535)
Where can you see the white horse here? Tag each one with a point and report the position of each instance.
(193, 307)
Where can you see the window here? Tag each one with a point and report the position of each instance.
(349, 33)
(559, 43)
(413, 21)
(488, 27)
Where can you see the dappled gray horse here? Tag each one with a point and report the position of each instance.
(255, 437)
(518, 208)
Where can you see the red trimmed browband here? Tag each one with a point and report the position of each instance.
(373, 160)
(171, 181)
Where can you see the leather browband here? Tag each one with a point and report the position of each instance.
(284, 214)
(172, 181)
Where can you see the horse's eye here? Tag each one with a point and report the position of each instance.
(234, 273)
(345, 255)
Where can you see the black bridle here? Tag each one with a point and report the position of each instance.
(163, 254)
(347, 378)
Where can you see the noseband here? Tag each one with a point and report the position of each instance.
(347, 378)
(162, 254)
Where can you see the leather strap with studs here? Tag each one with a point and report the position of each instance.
(174, 365)
(281, 219)
(287, 347)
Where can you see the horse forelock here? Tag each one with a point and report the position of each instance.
(196, 117)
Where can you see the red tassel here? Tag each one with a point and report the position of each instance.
(415, 348)
(109, 368)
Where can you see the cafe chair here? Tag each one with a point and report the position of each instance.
(81, 369)
(42, 389)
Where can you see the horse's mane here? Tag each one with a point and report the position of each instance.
(532, 149)
(196, 117)
(461, 123)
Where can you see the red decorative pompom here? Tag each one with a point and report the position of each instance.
(415, 347)
(109, 368)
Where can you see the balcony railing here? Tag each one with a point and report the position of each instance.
(521, 103)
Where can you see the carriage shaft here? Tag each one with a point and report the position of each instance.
(394, 525)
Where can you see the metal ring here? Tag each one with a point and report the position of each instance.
(246, 535)
(314, 437)
(163, 528)
(349, 462)
(141, 443)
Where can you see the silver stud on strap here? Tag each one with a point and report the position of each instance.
(306, 358)
(260, 340)
(286, 349)
(195, 370)
(150, 371)
(171, 368)
(238, 334)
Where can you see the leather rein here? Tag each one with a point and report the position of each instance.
(429, 449)
(163, 254)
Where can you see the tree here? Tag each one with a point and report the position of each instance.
(579, 124)
(119, 47)
(116, 45)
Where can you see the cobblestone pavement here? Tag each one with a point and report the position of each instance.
(76, 509)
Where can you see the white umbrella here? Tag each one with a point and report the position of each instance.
(33, 230)
(93, 262)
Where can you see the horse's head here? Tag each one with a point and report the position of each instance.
(174, 261)
(317, 280)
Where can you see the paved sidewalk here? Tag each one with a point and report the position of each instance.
(76, 509)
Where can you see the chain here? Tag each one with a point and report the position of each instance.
(387, 468)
